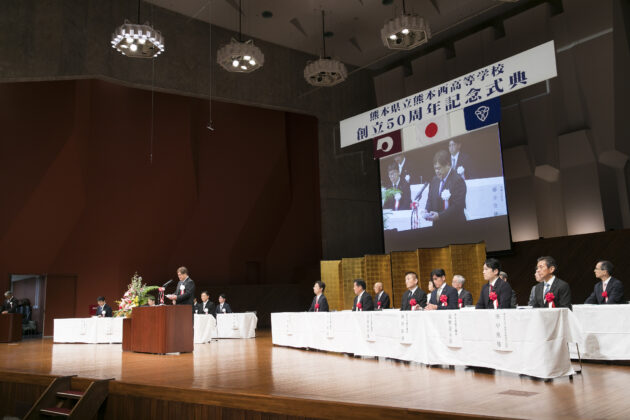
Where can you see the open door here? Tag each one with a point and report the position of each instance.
(60, 300)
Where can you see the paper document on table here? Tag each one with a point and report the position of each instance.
(501, 341)
(454, 331)
(405, 337)
(330, 332)
(369, 326)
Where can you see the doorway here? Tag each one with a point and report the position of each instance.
(28, 289)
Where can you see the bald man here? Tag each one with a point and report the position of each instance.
(381, 298)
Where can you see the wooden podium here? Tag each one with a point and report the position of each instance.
(10, 328)
(159, 329)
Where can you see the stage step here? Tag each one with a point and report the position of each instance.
(70, 394)
(59, 400)
(56, 411)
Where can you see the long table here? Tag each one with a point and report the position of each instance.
(88, 330)
(530, 341)
(233, 325)
(605, 332)
(109, 330)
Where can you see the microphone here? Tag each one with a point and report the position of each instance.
(419, 195)
(167, 283)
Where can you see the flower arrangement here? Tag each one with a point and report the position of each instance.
(136, 295)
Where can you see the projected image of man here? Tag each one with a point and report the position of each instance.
(398, 193)
(404, 170)
(460, 161)
(447, 193)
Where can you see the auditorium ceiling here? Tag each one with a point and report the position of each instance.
(353, 26)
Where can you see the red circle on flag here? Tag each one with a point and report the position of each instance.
(431, 129)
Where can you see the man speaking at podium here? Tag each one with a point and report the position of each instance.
(185, 291)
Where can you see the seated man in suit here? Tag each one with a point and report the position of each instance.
(551, 291)
(10, 303)
(103, 310)
(447, 194)
(363, 300)
(381, 298)
(444, 296)
(464, 297)
(608, 290)
(319, 303)
(503, 275)
(398, 191)
(413, 292)
(495, 294)
(532, 293)
(205, 306)
(223, 307)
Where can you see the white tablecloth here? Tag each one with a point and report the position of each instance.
(109, 330)
(88, 330)
(205, 328)
(531, 342)
(235, 325)
(605, 332)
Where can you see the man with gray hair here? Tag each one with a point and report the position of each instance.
(503, 275)
(464, 296)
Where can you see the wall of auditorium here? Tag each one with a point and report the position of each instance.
(565, 142)
(88, 191)
(70, 40)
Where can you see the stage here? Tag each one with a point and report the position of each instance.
(250, 378)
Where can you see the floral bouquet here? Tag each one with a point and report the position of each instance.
(136, 295)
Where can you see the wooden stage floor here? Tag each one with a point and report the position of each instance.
(316, 384)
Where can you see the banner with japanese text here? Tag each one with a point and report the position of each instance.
(511, 74)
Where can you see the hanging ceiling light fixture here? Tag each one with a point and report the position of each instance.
(405, 32)
(326, 71)
(239, 56)
(138, 41)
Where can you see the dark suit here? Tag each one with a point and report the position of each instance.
(463, 160)
(614, 288)
(105, 311)
(418, 295)
(323, 304)
(201, 307)
(561, 292)
(226, 308)
(513, 301)
(466, 298)
(384, 299)
(455, 212)
(366, 302)
(405, 196)
(451, 295)
(11, 305)
(504, 295)
(404, 172)
(187, 295)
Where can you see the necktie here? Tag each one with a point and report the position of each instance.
(547, 287)
(441, 186)
(453, 160)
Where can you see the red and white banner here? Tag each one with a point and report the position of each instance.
(427, 132)
(388, 144)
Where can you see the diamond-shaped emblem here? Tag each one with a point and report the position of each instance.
(482, 112)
